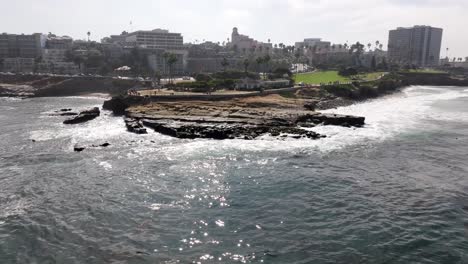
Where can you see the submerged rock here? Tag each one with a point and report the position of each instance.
(78, 148)
(84, 116)
(332, 119)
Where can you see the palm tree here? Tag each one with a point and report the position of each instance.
(224, 63)
(259, 62)
(246, 66)
(170, 59)
(89, 35)
(266, 61)
(357, 49)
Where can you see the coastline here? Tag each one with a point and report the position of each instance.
(287, 112)
(282, 114)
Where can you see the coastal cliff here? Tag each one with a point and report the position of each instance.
(46, 86)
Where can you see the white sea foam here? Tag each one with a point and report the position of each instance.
(386, 117)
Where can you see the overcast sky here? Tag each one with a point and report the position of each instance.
(284, 21)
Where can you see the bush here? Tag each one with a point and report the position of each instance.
(280, 72)
(341, 90)
(191, 84)
(203, 77)
(235, 75)
(347, 71)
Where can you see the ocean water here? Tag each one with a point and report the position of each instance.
(395, 191)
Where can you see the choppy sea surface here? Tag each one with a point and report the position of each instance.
(395, 191)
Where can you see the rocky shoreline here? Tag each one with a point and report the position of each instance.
(282, 114)
(245, 118)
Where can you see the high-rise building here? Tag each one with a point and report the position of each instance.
(22, 46)
(418, 45)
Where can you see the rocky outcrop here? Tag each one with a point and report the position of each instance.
(118, 105)
(437, 79)
(246, 118)
(135, 126)
(84, 116)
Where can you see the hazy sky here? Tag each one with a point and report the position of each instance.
(284, 21)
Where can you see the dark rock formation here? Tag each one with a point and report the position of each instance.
(310, 106)
(84, 116)
(135, 126)
(64, 112)
(68, 114)
(224, 131)
(332, 119)
(117, 105)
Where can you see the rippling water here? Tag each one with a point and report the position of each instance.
(395, 191)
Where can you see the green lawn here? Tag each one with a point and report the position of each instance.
(331, 76)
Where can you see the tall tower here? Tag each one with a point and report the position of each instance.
(235, 34)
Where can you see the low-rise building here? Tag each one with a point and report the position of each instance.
(316, 44)
(22, 46)
(54, 61)
(62, 43)
(18, 65)
(248, 84)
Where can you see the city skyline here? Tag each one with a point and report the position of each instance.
(281, 21)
